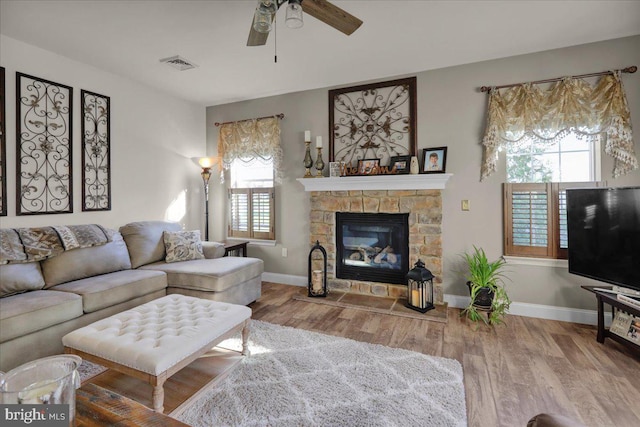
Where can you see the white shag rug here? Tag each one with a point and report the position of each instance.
(300, 378)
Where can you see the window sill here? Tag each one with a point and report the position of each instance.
(538, 262)
(253, 242)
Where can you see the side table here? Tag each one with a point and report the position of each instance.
(612, 300)
(235, 247)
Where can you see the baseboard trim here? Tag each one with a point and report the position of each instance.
(550, 312)
(285, 279)
(563, 314)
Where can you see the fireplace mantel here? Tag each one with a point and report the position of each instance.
(377, 182)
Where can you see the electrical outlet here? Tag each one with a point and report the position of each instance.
(284, 252)
(466, 205)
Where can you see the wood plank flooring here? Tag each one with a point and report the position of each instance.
(511, 372)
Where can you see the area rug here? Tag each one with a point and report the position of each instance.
(300, 378)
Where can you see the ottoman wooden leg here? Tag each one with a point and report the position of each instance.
(245, 337)
(158, 396)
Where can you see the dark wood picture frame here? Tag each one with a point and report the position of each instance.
(402, 164)
(367, 166)
(428, 156)
(96, 151)
(3, 145)
(376, 120)
(44, 146)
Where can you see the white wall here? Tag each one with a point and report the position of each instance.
(451, 112)
(153, 136)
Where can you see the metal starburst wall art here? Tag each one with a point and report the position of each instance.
(373, 121)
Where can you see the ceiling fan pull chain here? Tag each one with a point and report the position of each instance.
(275, 39)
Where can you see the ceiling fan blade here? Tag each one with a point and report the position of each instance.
(331, 15)
(256, 38)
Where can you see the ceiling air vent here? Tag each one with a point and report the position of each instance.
(179, 63)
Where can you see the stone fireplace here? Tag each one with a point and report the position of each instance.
(423, 209)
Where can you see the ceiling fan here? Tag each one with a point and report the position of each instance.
(320, 9)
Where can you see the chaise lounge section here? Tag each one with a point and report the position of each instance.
(235, 280)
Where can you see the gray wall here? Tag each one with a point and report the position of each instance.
(153, 136)
(451, 112)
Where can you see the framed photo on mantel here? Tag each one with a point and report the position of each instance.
(401, 164)
(434, 160)
(373, 121)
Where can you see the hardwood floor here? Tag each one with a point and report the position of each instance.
(511, 372)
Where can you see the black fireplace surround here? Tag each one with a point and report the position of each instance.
(372, 247)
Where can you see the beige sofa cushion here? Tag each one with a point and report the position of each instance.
(214, 275)
(145, 242)
(32, 311)
(78, 264)
(16, 278)
(110, 289)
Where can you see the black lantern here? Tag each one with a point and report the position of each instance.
(317, 283)
(420, 288)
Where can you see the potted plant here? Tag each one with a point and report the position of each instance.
(486, 286)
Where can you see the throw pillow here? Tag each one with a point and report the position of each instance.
(182, 245)
(11, 248)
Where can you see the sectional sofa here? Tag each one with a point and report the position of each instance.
(42, 301)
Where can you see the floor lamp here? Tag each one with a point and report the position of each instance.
(206, 163)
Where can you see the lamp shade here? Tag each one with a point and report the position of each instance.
(263, 16)
(294, 14)
(205, 162)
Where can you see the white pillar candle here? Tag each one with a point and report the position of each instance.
(415, 298)
(316, 280)
(318, 142)
(307, 135)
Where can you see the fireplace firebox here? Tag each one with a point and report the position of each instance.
(372, 247)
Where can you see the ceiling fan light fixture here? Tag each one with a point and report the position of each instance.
(294, 14)
(263, 16)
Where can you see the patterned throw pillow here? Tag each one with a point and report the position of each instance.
(182, 245)
(40, 242)
(11, 248)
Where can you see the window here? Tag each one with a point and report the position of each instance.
(535, 218)
(251, 200)
(568, 160)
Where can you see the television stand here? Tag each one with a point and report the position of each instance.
(612, 300)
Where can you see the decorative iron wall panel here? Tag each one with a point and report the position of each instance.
(373, 121)
(96, 152)
(3, 147)
(44, 139)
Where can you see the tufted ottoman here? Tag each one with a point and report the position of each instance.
(157, 339)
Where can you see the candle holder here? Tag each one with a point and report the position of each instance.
(308, 161)
(317, 279)
(420, 288)
(319, 163)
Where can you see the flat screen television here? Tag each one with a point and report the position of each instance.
(603, 226)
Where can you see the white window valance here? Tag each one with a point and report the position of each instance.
(571, 105)
(250, 141)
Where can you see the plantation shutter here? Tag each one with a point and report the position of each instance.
(528, 215)
(239, 212)
(262, 213)
(252, 213)
(535, 218)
